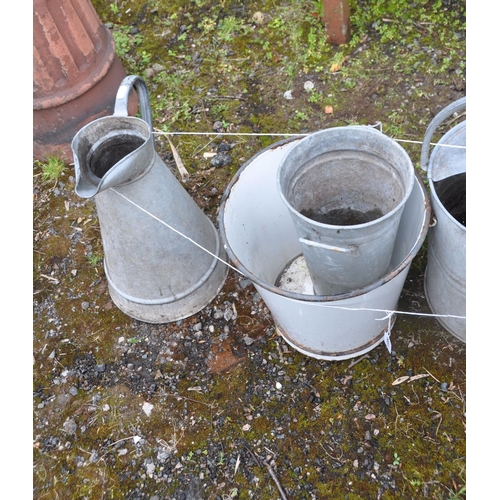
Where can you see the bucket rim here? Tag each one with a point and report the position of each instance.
(354, 227)
(317, 298)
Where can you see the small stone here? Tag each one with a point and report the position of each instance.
(147, 408)
(73, 390)
(158, 67)
(218, 314)
(100, 368)
(221, 160)
(70, 426)
(444, 387)
(329, 110)
(218, 125)
(85, 305)
(278, 386)
(244, 283)
(106, 407)
(308, 85)
(248, 340)
(258, 17)
(288, 95)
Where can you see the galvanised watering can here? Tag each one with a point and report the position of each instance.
(163, 257)
(445, 273)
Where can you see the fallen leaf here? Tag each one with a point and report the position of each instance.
(335, 67)
(400, 380)
(416, 377)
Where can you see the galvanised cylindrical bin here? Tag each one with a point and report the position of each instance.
(259, 236)
(346, 188)
(156, 239)
(76, 73)
(445, 274)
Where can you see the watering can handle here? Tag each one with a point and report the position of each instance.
(445, 113)
(123, 95)
(352, 249)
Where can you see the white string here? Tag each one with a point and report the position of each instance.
(158, 132)
(176, 231)
(388, 312)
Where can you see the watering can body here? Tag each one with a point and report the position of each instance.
(445, 274)
(163, 258)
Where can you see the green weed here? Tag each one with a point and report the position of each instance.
(94, 259)
(52, 168)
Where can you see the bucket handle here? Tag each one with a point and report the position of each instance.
(123, 95)
(352, 249)
(445, 113)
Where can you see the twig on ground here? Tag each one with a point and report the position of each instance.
(275, 479)
(180, 166)
(366, 356)
(269, 469)
(430, 374)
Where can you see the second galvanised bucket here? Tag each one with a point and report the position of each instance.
(163, 257)
(445, 273)
(258, 234)
(346, 188)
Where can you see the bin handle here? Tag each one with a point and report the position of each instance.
(445, 113)
(123, 95)
(352, 249)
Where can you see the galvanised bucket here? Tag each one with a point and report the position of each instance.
(445, 274)
(346, 189)
(259, 236)
(155, 273)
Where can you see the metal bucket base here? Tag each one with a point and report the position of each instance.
(295, 277)
(333, 356)
(179, 309)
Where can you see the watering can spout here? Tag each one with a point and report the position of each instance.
(111, 151)
(107, 154)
